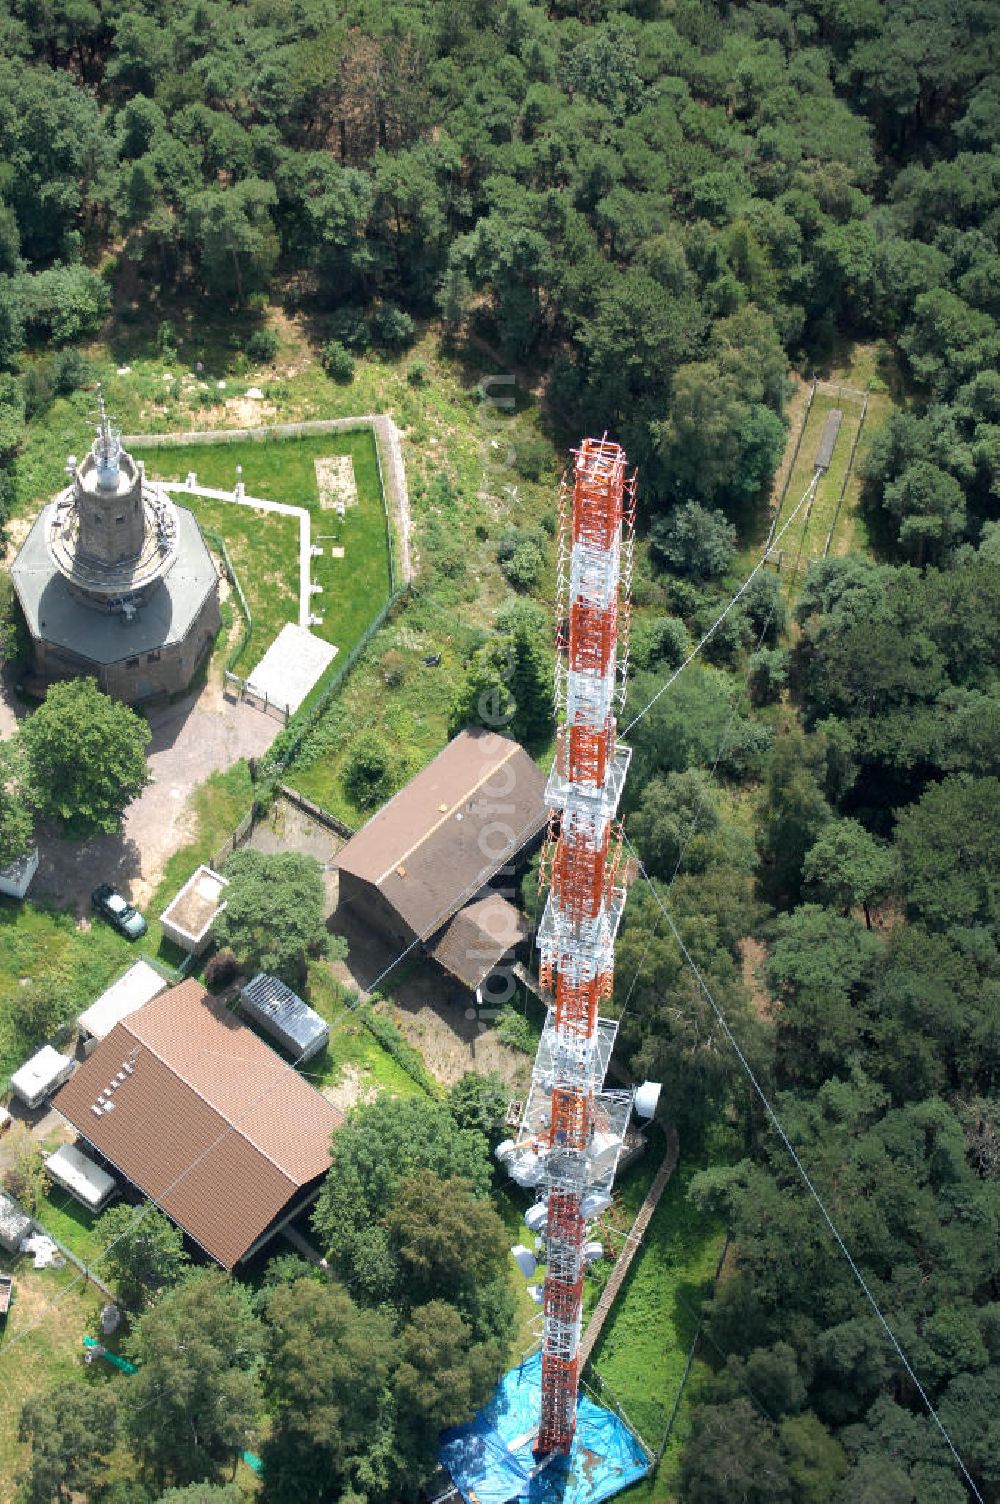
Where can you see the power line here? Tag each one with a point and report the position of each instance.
(804, 1175)
(726, 610)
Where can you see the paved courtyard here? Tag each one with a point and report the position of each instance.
(198, 735)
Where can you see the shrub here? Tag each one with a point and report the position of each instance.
(70, 371)
(221, 969)
(521, 555)
(25, 1178)
(514, 1030)
(768, 675)
(533, 457)
(393, 667)
(372, 774)
(262, 347)
(694, 540)
(392, 327)
(663, 641)
(527, 565)
(65, 303)
(350, 325)
(39, 388)
(338, 362)
(417, 373)
(166, 340)
(399, 1049)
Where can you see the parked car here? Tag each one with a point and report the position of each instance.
(118, 911)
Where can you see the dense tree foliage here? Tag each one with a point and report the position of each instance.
(274, 915)
(85, 756)
(653, 209)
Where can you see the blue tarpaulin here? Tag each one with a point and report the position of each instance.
(491, 1462)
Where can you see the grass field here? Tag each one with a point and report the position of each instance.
(352, 1048)
(810, 531)
(265, 548)
(49, 1355)
(862, 379)
(643, 1349)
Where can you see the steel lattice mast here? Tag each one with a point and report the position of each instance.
(577, 933)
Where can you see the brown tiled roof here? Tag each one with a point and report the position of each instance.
(208, 1121)
(444, 835)
(472, 943)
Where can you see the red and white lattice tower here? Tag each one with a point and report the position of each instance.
(577, 933)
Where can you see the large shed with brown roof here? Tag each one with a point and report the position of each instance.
(439, 841)
(187, 1103)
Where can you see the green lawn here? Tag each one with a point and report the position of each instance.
(265, 548)
(55, 950)
(352, 1048)
(50, 1355)
(824, 505)
(51, 949)
(645, 1342)
(69, 1222)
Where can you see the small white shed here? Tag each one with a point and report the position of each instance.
(14, 1224)
(40, 1075)
(187, 920)
(136, 987)
(81, 1176)
(15, 878)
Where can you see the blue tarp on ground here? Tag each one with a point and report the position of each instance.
(491, 1462)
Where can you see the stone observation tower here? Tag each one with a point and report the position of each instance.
(116, 581)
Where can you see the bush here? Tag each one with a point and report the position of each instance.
(372, 773)
(166, 340)
(664, 641)
(768, 675)
(417, 373)
(262, 347)
(694, 540)
(338, 362)
(515, 1031)
(350, 326)
(392, 327)
(39, 388)
(221, 969)
(65, 303)
(70, 371)
(25, 1178)
(393, 668)
(521, 555)
(533, 457)
(399, 1049)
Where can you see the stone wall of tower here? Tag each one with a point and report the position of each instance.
(112, 522)
(145, 676)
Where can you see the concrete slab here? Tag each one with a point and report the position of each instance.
(290, 667)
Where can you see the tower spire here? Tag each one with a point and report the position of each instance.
(107, 447)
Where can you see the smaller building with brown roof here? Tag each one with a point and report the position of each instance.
(478, 939)
(437, 843)
(201, 1115)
